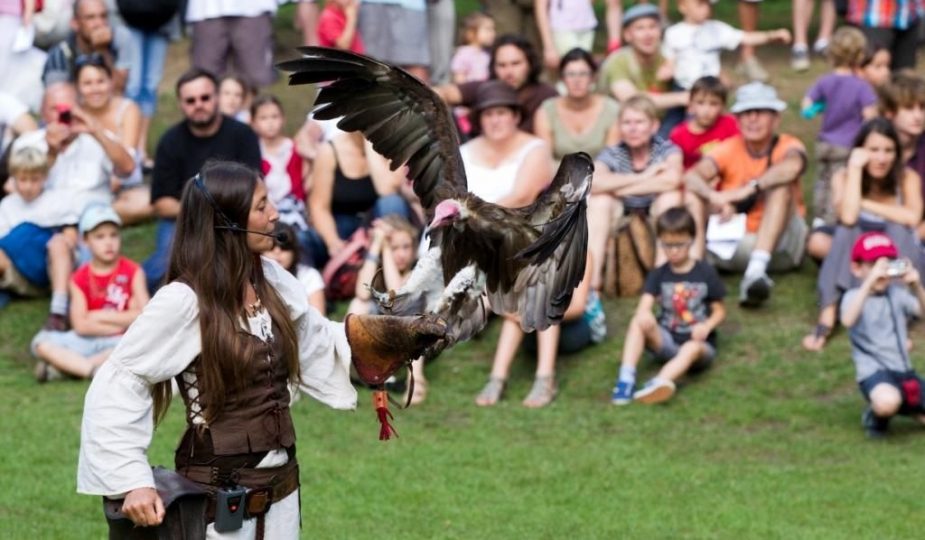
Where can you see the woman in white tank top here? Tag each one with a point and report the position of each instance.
(504, 165)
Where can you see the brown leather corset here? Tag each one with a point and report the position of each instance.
(252, 421)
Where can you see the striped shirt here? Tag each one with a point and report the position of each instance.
(59, 65)
(619, 160)
(896, 14)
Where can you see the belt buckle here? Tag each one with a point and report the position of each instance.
(258, 501)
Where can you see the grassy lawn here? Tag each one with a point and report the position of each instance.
(767, 444)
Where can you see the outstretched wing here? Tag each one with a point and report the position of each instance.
(405, 120)
(556, 261)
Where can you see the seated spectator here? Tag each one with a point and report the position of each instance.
(337, 26)
(234, 98)
(564, 25)
(282, 167)
(641, 174)
(847, 100)
(692, 46)
(875, 68)
(514, 62)
(582, 325)
(287, 253)
(579, 121)
(120, 120)
(902, 101)
(634, 70)
(91, 32)
(29, 217)
(348, 192)
(107, 295)
(875, 192)
(708, 124)
(471, 60)
(756, 173)
(690, 295)
(877, 312)
(203, 134)
(504, 165)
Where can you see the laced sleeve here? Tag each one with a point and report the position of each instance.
(118, 415)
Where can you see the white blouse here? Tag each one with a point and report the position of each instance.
(118, 420)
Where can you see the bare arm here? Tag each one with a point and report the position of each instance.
(909, 213)
(784, 172)
(852, 311)
(449, 93)
(612, 17)
(846, 192)
(24, 124)
(319, 200)
(659, 178)
(762, 38)
(344, 40)
(385, 180)
(699, 178)
(607, 181)
(541, 127)
(580, 296)
(541, 13)
(646, 303)
(122, 161)
(534, 175)
(370, 265)
(81, 319)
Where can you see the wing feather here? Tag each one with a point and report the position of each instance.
(405, 121)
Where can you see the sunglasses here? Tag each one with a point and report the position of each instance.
(205, 98)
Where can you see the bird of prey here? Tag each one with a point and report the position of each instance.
(527, 260)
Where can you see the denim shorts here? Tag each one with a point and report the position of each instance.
(893, 379)
(85, 346)
(670, 349)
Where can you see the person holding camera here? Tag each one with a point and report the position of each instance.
(875, 192)
(876, 314)
(758, 174)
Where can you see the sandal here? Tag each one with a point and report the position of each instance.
(817, 340)
(491, 394)
(543, 392)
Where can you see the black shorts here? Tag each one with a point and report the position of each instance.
(892, 378)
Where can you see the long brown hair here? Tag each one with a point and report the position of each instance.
(217, 265)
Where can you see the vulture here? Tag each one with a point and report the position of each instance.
(525, 261)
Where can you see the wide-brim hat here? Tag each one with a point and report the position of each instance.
(757, 96)
(495, 93)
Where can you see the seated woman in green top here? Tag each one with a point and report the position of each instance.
(579, 121)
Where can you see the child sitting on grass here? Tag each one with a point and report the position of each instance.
(876, 313)
(847, 101)
(690, 295)
(283, 169)
(29, 217)
(708, 124)
(106, 295)
(234, 98)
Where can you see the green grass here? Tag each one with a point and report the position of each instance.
(765, 445)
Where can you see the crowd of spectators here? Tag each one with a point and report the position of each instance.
(688, 186)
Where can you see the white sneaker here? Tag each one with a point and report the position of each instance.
(655, 391)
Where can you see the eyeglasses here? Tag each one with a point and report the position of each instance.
(674, 245)
(576, 74)
(92, 59)
(205, 98)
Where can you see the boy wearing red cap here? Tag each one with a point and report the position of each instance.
(876, 315)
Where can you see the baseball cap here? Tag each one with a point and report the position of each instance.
(640, 11)
(96, 215)
(870, 246)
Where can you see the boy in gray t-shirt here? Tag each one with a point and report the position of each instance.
(877, 313)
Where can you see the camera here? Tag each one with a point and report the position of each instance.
(897, 267)
(64, 113)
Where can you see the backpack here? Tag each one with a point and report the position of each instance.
(630, 256)
(341, 273)
(148, 15)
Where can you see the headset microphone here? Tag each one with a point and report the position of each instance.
(282, 237)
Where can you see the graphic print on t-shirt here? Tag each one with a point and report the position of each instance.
(683, 305)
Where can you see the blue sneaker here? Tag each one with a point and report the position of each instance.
(622, 393)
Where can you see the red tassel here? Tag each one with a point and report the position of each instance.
(381, 403)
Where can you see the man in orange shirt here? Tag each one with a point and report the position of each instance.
(758, 173)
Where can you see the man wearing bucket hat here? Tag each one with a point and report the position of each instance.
(635, 69)
(756, 173)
